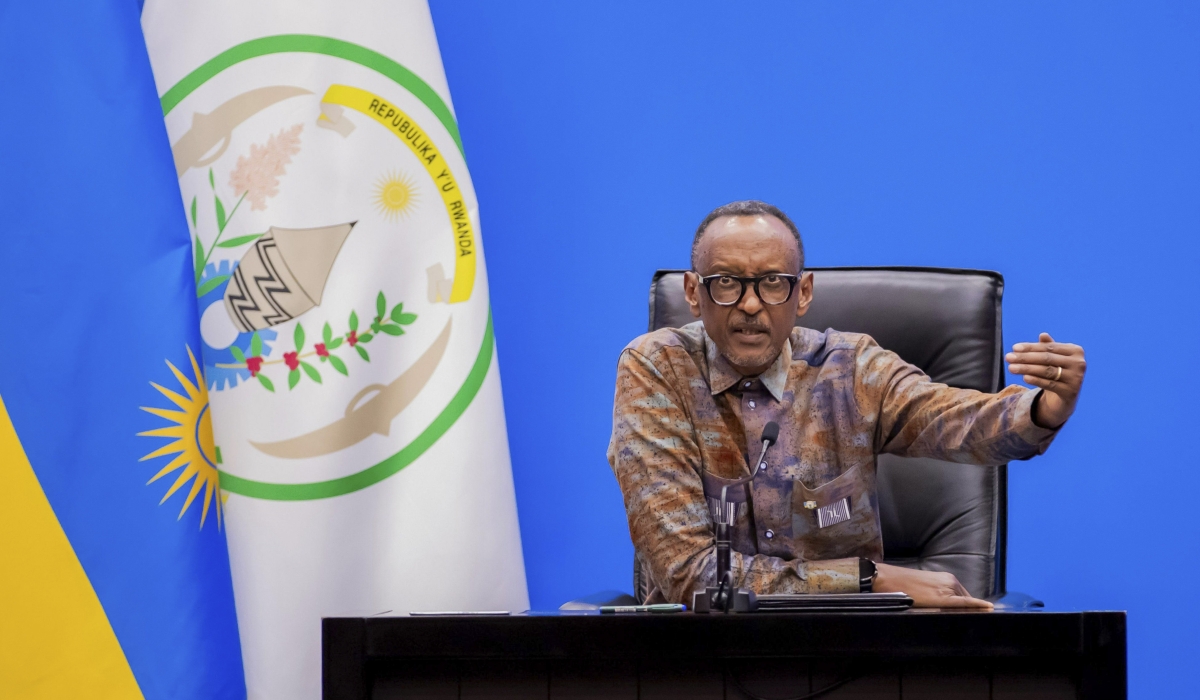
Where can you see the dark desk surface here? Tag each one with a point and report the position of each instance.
(993, 655)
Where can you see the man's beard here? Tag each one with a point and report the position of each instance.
(760, 359)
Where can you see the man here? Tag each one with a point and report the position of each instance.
(691, 402)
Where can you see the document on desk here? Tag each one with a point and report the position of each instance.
(831, 602)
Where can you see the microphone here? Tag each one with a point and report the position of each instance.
(724, 593)
(771, 433)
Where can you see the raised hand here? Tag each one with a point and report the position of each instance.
(1058, 369)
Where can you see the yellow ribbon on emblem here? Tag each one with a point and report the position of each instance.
(407, 130)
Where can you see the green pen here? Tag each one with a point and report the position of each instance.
(626, 609)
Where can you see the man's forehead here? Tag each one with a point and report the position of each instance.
(741, 241)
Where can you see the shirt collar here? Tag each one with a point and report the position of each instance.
(722, 375)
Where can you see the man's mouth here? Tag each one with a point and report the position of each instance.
(749, 332)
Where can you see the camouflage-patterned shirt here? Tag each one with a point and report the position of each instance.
(685, 423)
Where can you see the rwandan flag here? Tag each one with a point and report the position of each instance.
(114, 573)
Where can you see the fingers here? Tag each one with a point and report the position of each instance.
(1058, 367)
(965, 602)
(957, 596)
(1047, 384)
(1067, 373)
(957, 589)
(928, 589)
(1064, 349)
(1049, 370)
(1047, 344)
(1033, 370)
(1068, 386)
(1043, 358)
(1045, 371)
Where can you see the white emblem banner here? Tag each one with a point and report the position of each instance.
(347, 336)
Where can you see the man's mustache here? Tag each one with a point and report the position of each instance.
(749, 324)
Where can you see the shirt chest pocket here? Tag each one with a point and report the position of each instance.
(838, 518)
(737, 509)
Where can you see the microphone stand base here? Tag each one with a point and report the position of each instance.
(741, 601)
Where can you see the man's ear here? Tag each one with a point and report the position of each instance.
(804, 292)
(691, 292)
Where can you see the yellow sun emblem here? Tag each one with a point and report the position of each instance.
(395, 195)
(193, 445)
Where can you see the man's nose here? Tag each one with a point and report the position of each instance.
(750, 304)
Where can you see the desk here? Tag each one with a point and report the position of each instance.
(909, 655)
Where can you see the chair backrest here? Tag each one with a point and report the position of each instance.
(935, 515)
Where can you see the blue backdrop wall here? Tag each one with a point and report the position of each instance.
(1055, 142)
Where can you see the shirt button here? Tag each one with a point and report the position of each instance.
(769, 534)
(747, 385)
(752, 404)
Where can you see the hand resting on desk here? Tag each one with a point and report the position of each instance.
(928, 589)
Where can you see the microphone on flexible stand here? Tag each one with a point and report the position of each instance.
(724, 595)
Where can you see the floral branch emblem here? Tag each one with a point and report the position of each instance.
(256, 178)
(384, 322)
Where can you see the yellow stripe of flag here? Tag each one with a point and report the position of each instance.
(55, 640)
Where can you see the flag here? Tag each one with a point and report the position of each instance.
(344, 318)
(115, 575)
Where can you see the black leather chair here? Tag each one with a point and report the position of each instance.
(935, 515)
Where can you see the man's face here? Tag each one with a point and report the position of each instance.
(749, 334)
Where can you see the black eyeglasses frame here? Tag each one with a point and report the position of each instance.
(707, 282)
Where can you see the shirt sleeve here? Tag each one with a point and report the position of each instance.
(654, 454)
(917, 417)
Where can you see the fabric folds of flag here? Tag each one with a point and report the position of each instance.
(344, 318)
(115, 575)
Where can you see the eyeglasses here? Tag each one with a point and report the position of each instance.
(727, 290)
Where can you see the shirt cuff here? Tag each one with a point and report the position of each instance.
(830, 576)
(1029, 431)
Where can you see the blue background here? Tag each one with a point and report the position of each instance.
(1055, 142)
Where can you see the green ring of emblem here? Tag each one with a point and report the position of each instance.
(307, 43)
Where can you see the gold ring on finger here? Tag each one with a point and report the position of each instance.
(1058, 376)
